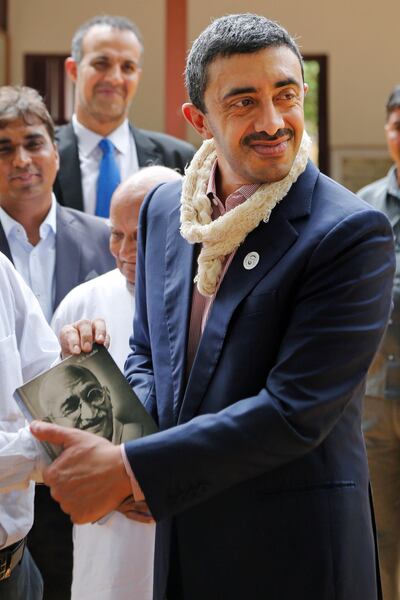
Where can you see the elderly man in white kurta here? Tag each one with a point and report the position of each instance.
(113, 559)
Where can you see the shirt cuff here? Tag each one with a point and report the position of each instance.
(137, 493)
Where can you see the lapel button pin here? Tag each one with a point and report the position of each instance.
(251, 260)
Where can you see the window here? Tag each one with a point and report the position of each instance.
(45, 73)
(316, 108)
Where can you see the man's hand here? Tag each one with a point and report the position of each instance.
(89, 478)
(81, 335)
(135, 511)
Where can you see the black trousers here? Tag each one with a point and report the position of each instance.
(50, 543)
(174, 586)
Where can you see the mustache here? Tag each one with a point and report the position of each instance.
(29, 171)
(98, 418)
(263, 136)
(108, 87)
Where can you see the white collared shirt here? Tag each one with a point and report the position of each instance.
(27, 347)
(90, 156)
(37, 263)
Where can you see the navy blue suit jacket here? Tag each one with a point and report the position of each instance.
(82, 249)
(260, 462)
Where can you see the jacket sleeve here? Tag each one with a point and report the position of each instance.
(139, 365)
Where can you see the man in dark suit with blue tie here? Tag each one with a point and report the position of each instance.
(258, 479)
(100, 148)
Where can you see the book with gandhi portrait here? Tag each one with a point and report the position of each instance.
(89, 392)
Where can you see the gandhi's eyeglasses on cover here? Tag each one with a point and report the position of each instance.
(93, 397)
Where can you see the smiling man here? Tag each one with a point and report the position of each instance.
(253, 360)
(53, 248)
(257, 128)
(100, 147)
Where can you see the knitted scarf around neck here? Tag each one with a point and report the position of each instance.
(225, 234)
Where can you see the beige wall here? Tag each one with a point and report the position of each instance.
(359, 37)
(47, 26)
(3, 57)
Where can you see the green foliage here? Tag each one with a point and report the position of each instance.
(311, 73)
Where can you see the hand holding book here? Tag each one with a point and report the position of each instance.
(88, 392)
(89, 408)
(80, 336)
(88, 479)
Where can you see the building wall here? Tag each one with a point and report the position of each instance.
(358, 36)
(47, 26)
(3, 57)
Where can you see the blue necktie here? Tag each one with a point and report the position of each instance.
(109, 178)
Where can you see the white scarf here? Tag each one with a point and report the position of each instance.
(223, 235)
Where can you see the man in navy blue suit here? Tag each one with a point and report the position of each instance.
(252, 358)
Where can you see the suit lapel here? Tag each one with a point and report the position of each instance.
(270, 241)
(178, 287)
(68, 255)
(69, 175)
(4, 247)
(147, 151)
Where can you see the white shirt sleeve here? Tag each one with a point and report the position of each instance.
(27, 347)
(22, 459)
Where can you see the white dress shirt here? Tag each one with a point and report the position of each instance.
(90, 156)
(116, 556)
(27, 347)
(37, 263)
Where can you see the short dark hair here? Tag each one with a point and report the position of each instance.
(232, 34)
(393, 101)
(21, 102)
(115, 22)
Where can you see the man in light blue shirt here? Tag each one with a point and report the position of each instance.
(53, 248)
(36, 263)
